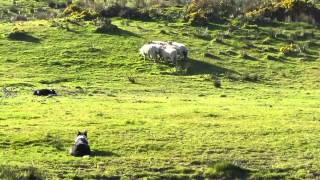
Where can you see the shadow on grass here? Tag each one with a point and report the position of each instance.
(119, 32)
(99, 153)
(200, 67)
(22, 36)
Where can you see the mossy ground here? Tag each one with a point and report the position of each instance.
(165, 125)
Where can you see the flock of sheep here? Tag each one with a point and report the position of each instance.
(169, 52)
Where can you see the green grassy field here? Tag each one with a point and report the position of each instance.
(265, 118)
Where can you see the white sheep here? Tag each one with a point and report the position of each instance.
(182, 49)
(162, 43)
(151, 51)
(166, 51)
(169, 53)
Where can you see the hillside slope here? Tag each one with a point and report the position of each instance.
(264, 118)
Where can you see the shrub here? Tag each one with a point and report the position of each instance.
(286, 10)
(210, 10)
(72, 8)
(197, 19)
(78, 13)
(165, 13)
(124, 12)
(86, 15)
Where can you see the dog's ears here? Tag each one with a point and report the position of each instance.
(79, 133)
(85, 133)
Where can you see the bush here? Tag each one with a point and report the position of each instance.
(210, 10)
(77, 13)
(72, 8)
(286, 10)
(165, 13)
(197, 19)
(124, 12)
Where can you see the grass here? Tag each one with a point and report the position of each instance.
(163, 125)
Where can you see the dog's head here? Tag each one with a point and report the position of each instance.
(82, 137)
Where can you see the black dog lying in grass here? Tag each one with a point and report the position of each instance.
(45, 92)
(81, 146)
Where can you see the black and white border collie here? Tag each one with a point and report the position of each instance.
(81, 146)
(45, 92)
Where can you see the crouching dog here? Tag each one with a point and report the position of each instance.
(81, 147)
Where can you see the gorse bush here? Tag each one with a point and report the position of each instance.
(286, 10)
(78, 13)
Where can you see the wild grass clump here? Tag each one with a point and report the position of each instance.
(246, 56)
(132, 79)
(54, 140)
(217, 83)
(271, 58)
(219, 40)
(251, 77)
(215, 79)
(21, 173)
(202, 33)
(9, 92)
(106, 26)
(232, 76)
(226, 170)
(21, 35)
(289, 50)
